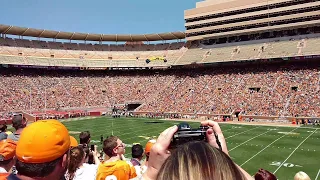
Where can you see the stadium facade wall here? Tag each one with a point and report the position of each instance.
(222, 18)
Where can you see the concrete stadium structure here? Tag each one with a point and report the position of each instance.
(217, 32)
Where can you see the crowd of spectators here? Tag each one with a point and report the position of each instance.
(45, 150)
(266, 90)
(288, 89)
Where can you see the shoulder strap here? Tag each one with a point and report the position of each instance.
(135, 162)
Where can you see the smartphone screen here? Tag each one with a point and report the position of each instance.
(92, 147)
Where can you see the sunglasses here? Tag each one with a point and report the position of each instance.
(121, 145)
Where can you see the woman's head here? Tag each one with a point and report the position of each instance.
(77, 158)
(199, 161)
(264, 175)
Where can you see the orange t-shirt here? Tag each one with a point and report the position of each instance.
(118, 170)
(3, 176)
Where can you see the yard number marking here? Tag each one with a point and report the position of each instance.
(289, 165)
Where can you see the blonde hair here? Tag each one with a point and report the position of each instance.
(301, 176)
(199, 161)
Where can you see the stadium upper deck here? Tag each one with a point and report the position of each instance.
(230, 30)
(134, 53)
(231, 18)
(42, 33)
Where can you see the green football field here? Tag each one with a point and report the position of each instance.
(281, 150)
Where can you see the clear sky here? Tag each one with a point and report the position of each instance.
(97, 16)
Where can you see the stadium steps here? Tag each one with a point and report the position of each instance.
(311, 47)
(301, 45)
(185, 92)
(219, 54)
(318, 87)
(276, 83)
(247, 52)
(153, 97)
(209, 101)
(208, 53)
(111, 96)
(208, 104)
(282, 49)
(204, 104)
(286, 105)
(192, 56)
(184, 50)
(89, 85)
(63, 86)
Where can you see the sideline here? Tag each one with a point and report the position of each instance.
(244, 123)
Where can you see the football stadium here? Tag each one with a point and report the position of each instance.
(251, 68)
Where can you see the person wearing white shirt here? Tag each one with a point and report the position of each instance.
(137, 155)
(78, 169)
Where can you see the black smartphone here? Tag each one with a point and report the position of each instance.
(92, 147)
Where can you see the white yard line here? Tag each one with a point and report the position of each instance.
(149, 130)
(248, 140)
(294, 151)
(229, 129)
(317, 175)
(242, 132)
(266, 147)
(267, 125)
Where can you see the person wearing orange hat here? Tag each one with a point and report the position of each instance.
(42, 151)
(114, 166)
(147, 151)
(7, 154)
(148, 147)
(73, 142)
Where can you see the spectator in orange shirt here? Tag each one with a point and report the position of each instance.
(114, 166)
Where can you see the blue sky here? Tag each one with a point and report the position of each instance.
(97, 16)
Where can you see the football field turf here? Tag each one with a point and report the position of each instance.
(281, 150)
